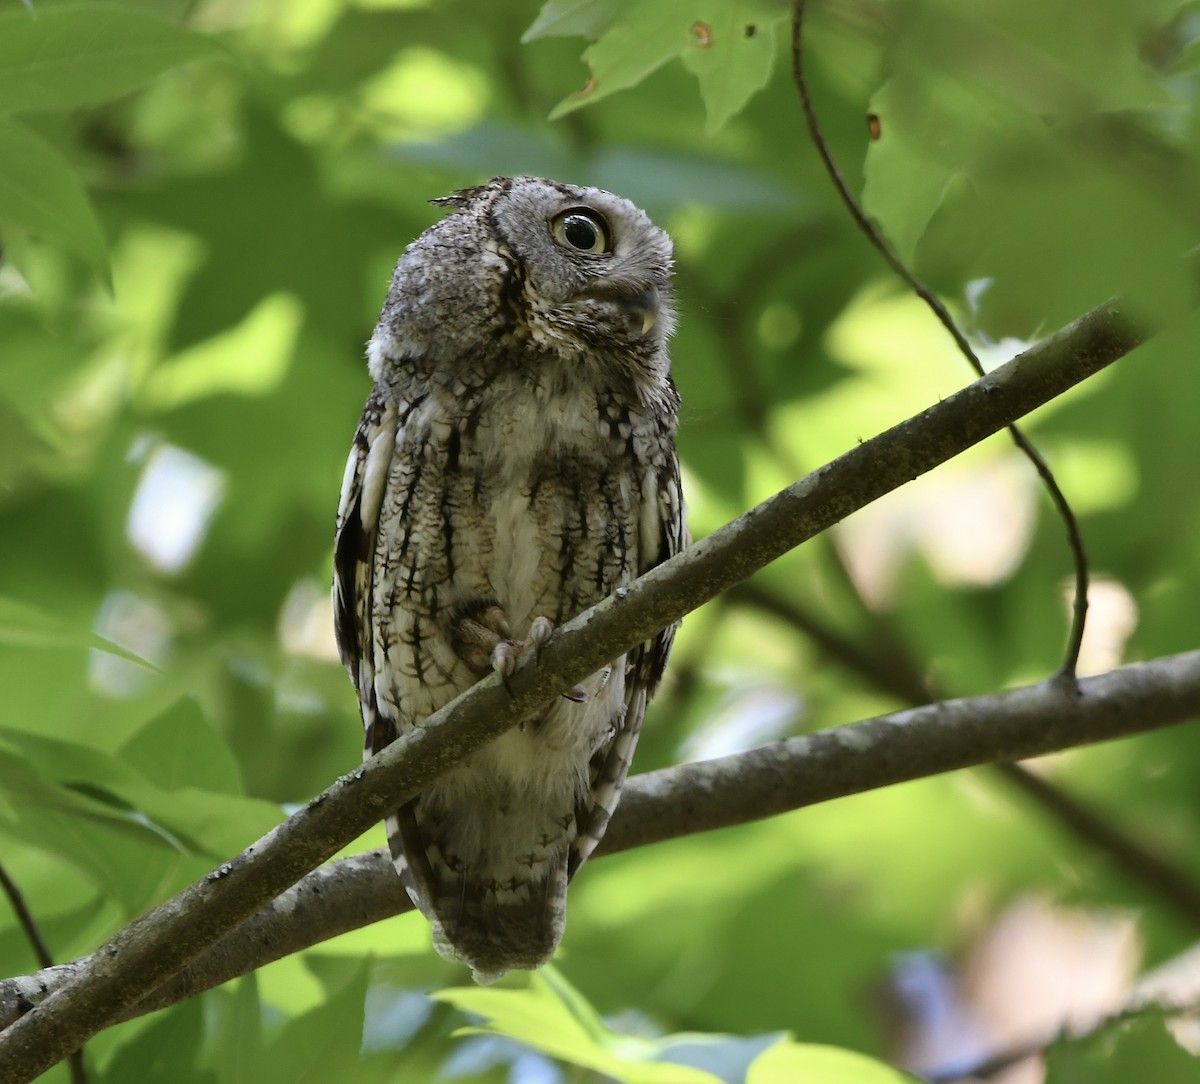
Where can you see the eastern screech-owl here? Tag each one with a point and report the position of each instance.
(515, 464)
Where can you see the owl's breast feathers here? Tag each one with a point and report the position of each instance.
(542, 505)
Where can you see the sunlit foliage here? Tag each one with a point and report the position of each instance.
(199, 207)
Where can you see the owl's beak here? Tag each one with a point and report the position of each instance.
(643, 308)
(650, 315)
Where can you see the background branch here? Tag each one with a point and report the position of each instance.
(41, 952)
(892, 667)
(151, 950)
(708, 795)
(25, 917)
(893, 672)
(1057, 497)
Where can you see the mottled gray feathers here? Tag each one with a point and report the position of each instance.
(514, 465)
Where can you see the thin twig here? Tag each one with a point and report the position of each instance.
(26, 919)
(993, 1064)
(868, 228)
(42, 953)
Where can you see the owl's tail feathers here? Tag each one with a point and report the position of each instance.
(492, 928)
(495, 931)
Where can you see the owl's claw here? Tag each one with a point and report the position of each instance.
(577, 694)
(485, 640)
(504, 662)
(539, 632)
(504, 657)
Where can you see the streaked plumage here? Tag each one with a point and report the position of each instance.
(515, 464)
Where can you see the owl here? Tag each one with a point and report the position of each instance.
(514, 465)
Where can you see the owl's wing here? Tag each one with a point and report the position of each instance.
(650, 660)
(353, 567)
(354, 542)
(662, 533)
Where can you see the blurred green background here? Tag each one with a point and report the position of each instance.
(200, 204)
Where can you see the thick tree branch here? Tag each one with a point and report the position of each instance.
(707, 795)
(893, 672)
(927, 740)
(157, 946)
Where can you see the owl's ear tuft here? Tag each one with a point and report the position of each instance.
(458, 200)
(465, 196)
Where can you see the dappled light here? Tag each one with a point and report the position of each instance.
(201, 204)
(175, 499)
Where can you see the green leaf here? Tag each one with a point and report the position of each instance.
(23, 625)
(628, 51)
(168, 1049)
(571, 18)
(126, 859)
(65, 777)
(42, 195)
(236, 1033)
(81, 54)
(908, 170)
(551, 1016)
(732, 53)
(729, 47)
(1053, 60)
(1137, 1049)
(322, 1044)
(135, 840)
(82, 780)
(178, 748)
(250, 359)
(787, 1062)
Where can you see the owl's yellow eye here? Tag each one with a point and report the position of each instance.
(582, 230)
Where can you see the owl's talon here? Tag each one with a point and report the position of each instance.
(504, 657)
(504, 661)
(539, 633)
(505, 653)
(540, 630)
(488, 635)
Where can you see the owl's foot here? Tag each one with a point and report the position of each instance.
(506, 653)
(478, 635)
(484, 640)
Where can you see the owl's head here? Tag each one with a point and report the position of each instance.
(550, 269)
(593, 265)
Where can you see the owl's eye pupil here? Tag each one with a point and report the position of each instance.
(579, 232)
(582, 230)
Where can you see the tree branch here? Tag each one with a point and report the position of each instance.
(906, 745)
(704, 796)
(892, 672)
(26, 920)
(41, 952)
(934, 303)
(149, 951)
